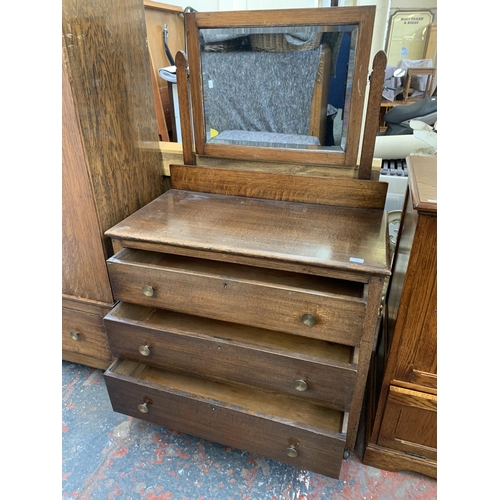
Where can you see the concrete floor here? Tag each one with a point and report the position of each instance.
(107, 455)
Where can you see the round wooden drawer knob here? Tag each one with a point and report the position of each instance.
(144, 350)
(308, 319)
(292, 452)
(148, 291)
(74, 335)
(143, 408)
(300, 385)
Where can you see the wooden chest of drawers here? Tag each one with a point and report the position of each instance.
(247, 321)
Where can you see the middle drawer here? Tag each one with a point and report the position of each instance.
(311, 369)
(310, 306)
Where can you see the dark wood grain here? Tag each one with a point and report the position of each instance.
(319, 107)
(395, 461)
(295, 232)
(372, 114)
(234, 353)
(195, 81)
(92, 347)
(273, 300)
(229, 415)
(184, 109)
(366, 347)
(276, 186)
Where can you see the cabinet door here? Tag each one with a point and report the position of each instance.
(416, 325)
(84, 270)
(410, 423)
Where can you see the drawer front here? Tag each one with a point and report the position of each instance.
(230, 352)
(84, 337)
(302, 446)
(306, 312)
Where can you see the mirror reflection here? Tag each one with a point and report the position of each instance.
(286, 87)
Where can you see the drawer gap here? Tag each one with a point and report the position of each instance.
(129, 368)
(355, 356)
(345, 422)
(254, 401)
(242, 273)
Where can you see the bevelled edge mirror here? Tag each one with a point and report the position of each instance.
(227, 49)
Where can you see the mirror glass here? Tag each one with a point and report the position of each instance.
(283, 85)
(278, 87)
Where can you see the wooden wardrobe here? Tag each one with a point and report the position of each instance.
(111, 162)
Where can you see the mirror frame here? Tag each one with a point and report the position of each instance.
(330, 16)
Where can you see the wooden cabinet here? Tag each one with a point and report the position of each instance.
(247, 320)
(109, 165)
(403, 428)
(247, 304)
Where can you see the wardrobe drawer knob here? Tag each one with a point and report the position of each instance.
(143, 408)
(144, 350)
(291, 451)
(148, 291)
(74, 335)
(300, 385)
(308, 319)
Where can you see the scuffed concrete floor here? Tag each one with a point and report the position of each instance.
(107, 455)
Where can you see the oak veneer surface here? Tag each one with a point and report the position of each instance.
(320, 190)
(410, 422)
(104, 47)
(354, 239)
(423, 183)
(416, 319)
(84, 273)
(395, 460)
(232, 352)
(416, 324)
(230, 415)
(111, 160)
(91, 348)
(404, 433)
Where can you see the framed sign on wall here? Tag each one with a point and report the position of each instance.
(407, 35)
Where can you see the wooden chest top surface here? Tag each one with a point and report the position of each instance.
(423, 183)
(349, 239)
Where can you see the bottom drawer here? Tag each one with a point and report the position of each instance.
(295, 432)
(84, 339)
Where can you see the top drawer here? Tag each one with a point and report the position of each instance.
(311, 306)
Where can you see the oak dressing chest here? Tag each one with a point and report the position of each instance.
(247, 321)
(247, 298)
